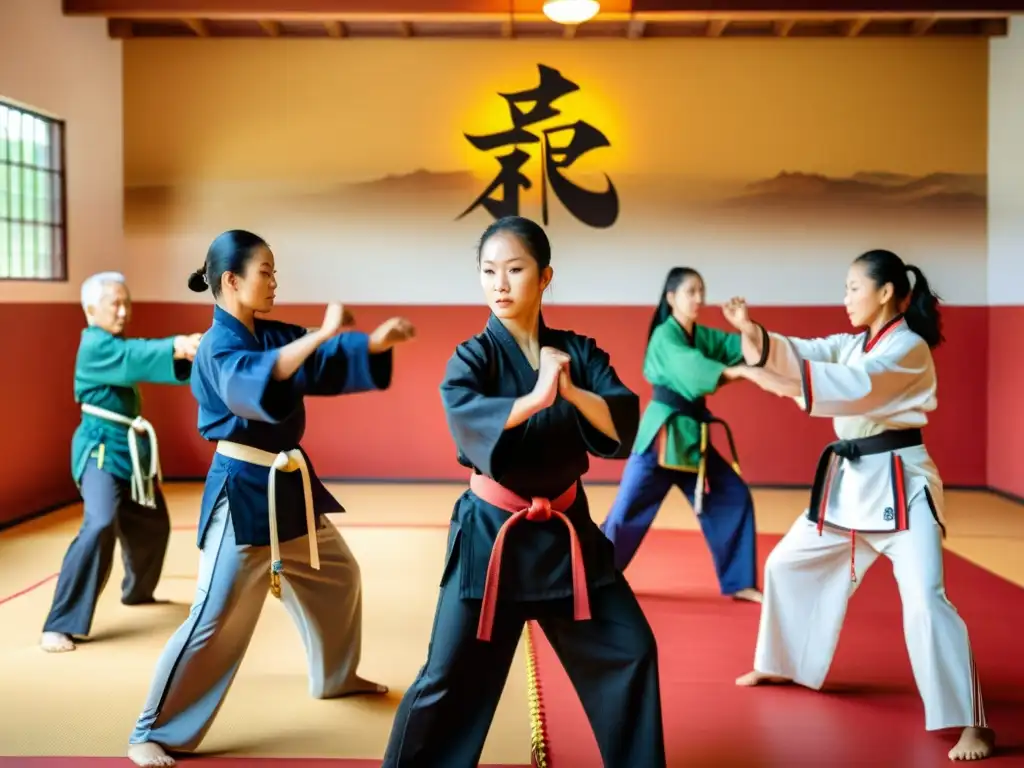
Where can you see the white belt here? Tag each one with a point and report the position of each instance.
(143, 489)
(286, 461)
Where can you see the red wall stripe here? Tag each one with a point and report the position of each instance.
(401, 434)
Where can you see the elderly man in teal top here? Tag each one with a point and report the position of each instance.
(114, 461)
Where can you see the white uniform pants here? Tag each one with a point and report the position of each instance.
(807, 585)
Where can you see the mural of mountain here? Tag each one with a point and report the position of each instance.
(874, 189)
(438, 197)
(420, 180)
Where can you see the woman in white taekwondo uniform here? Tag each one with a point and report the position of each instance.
(876, 492)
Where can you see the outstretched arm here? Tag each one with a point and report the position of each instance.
(108, 360)
(772, 381)
(877, 386)
(354, 361)
(260, 384)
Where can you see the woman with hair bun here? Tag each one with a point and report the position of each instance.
(263, 519)
(876, 492)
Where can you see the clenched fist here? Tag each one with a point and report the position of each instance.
(389, 333)
(735, 311)
(336, 317)
(185, 346)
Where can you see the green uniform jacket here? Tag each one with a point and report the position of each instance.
(691, 366)
(108, 369)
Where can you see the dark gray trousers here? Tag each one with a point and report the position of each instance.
(110, 516)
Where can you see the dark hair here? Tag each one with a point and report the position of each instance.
(229, 252)
(673, 280)
(922, 313)
(527, 231)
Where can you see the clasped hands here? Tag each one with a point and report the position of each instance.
(553, 377)
(386, 335)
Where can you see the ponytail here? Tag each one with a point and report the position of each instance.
(663, 311)
(661, 314)
(922, 312)
(197, 280)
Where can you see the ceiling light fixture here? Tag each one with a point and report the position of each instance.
(571, 11)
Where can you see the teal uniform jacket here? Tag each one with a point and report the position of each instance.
(108, 370)
(691, 366)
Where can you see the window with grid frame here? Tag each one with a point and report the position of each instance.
(33, 234)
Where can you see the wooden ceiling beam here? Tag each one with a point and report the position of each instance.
(289, 9)
(800, 7)
(125, 29)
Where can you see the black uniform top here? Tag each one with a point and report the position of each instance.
(543, 456)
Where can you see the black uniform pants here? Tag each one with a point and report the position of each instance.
(109, 516)
(612, 661)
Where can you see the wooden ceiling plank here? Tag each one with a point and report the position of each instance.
(854, 27)
(198, 27)
(919, 27)
(783, 27)
(716, 27)
(335, 28)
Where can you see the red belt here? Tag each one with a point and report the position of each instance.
(536, 510)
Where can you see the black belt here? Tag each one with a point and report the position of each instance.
(851, 450)
(694, 409)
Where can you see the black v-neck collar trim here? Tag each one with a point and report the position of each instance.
(505, 338)
(690, 337)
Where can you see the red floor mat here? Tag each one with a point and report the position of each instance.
(869, 713)
(198, 762)
(193, 762)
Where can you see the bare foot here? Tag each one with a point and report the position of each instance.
(751, 594)
(360, 687)
(149, 755)
(56, 642)
(974, 744)
(757, 678)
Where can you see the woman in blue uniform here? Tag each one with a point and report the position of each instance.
(262, 523)
(526, 404)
